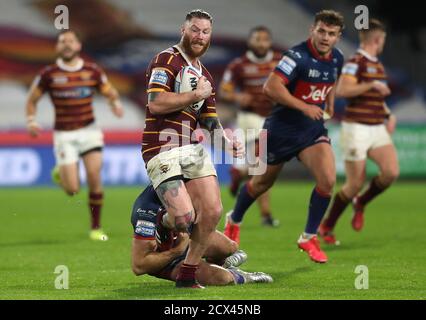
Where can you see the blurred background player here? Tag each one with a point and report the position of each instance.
(181, 170)
(242, 84)
(160, 252)
(302, 86)
(71, 83)
(366, 129)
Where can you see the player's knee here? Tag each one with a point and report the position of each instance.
(72, 190)
(390, 175)
(260, 187)
(226, 278)
(327, 183)
(232, 247)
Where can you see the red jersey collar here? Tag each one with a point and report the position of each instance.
(315, 52)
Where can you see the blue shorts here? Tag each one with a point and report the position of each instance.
(286, 142)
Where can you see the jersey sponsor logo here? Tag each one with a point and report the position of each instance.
(60, 80)
(350, 68)
(317, 94)
(77, 93)
(286, 65)
(371, 70)
(313, 73)
(145, 228)
(158, 77)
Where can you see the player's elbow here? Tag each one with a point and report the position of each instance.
(268, 91)
(139, 269)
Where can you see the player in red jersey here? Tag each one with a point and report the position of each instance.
(366, 129)
(181, 171)
(242, 84)
(71, 83)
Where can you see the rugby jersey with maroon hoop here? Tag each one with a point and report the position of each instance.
(180, 125)
(370, 107)
(72, 92)
(248, 74)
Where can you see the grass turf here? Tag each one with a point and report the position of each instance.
(41, 228)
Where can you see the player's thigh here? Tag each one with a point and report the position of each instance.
(93, 164)
(386, 158)
(319, 159)
(355, 173)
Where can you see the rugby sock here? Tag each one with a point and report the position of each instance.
(374, 189)
(244, 201)
(95, 205)
(340, 202)
(238, 278)
(317, 208)
(187, 272)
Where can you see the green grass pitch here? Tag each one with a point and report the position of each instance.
(42, 228)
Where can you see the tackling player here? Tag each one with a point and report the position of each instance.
(180, 170)
(71, 83)
(160, 252)
(242, 84)
(366, 129)
(302, 87)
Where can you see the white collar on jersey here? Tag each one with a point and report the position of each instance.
(367, 55)
(188, 61)
(61, 64)
(267, 58)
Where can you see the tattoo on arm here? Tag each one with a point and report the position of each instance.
(152, 96)
(170, 187)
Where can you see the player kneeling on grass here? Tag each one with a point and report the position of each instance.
(160, 252)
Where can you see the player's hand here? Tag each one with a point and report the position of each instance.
(391, 124)
(182, 242)
(204, 89)
(33, 128)
(381, 87)
(234, 147)
(238, 150)
(313, 111)
(117, 109)
(244, 99)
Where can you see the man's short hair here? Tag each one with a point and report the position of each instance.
(198, 13)
(330, 17)
(63, 31)
(261, 29)
(373, 25)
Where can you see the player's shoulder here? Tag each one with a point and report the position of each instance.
(338, 54)
(357, 58)
(48, 69)
(92, 66)
(165, 56)
(298, 53)
(276, 55)
(238, 61)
